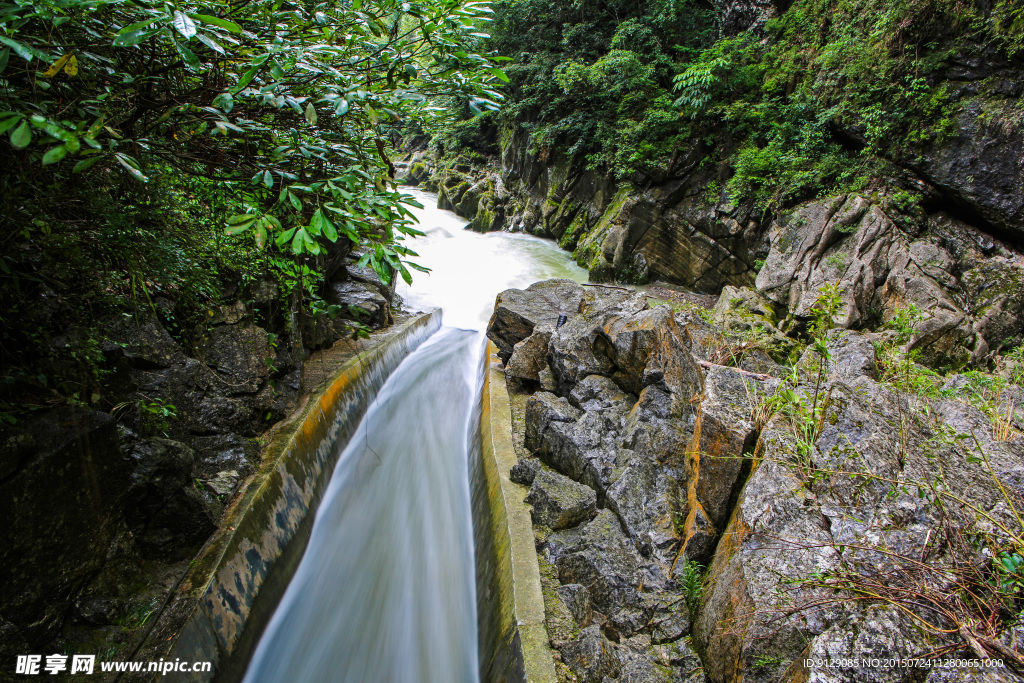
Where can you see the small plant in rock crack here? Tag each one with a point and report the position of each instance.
(805, 408)
(693, 586)
(155, 416)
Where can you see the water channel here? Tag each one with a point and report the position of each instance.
(385, 591)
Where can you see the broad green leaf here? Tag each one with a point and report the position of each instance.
(131, 165)
(85, 163)
(241, 218)
(311, 114)
(217, 21)
(298, 243)
(268, 180)
(209, 42)
(295, 202)
(284, 237)
(189, 57)
(499, 74)
(130, 28)
(225, 101)
(71, 68)
(342, 108)
(26, 52)
(239, 228)
(246, 79)
(261, 235)
(9, 123)
(134, 38)
(54, 154)
(21, 136)
(184, 25)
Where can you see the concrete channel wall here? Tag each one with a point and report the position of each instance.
(225, 601)
(513, 639)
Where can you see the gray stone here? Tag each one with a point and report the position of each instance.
(360, 302)
(603, 559)
(142, 340)
(576, 599)
(241, 354)
(559, 501)
(529, 357)
(517, 313)
(591, 656)
(524, 471)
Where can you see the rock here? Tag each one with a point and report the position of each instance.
(880, 269)
(979, 166)
(55, 543)
(524, 471)
(648, 349)
(517, 313)
(223, 484)
(368, 276)
(852, 354)
(529, 357)
(360, 302)
(745, 306)
(577, 600)
(642, 498)
(591, 656)
(789, 526)
(231, 314)
(878, 632)
(643, 669)
(171, 516)
(547, 379)
(543, 411)
(715, 455)
(240, 353)
(220, 452)
(603, 559)
(142, 340)
(559, 501)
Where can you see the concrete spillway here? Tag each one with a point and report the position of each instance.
(387, 587)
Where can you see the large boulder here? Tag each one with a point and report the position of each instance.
(946, 271)
(863, 501)
(517, 313)
(54, 543)
(558, 501)
(169, 513)
(361, 302)
(240, 353)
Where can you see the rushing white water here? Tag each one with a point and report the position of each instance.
(385, 591)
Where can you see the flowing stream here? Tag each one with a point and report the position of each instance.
(385, 591)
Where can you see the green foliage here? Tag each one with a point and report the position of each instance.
(692, 584)
(595, 79)
(814, 103)
(154, 155)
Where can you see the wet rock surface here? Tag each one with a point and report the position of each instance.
(732, 539)
(104, 509)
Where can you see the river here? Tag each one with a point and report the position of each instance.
(385, 592)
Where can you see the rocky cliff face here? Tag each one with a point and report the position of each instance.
(704, 514)
(884, 256)
(103, 511)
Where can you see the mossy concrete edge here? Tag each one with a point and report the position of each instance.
(512, 528)
(223, 604)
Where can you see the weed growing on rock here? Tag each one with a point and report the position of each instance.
(693, 586)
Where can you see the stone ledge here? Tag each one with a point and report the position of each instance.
(518, 642)
(221, 607)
